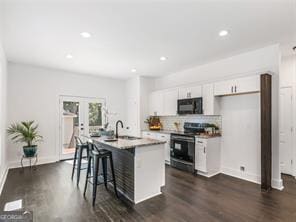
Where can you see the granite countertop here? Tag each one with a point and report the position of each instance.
(202, 136)
(127, 144)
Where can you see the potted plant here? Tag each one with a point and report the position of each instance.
(25, 132)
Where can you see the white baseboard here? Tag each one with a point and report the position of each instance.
(208, 174)
(146, 198)
(276, 184)
(3, 178)
(41, 160)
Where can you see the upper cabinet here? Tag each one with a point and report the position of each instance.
(163, 103)
(248, 84)
(156, 103)
(210, 103)
(170, 98)
(237, 86)
(190, 92)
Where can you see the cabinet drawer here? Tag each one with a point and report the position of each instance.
(149, 135)
(165, 137)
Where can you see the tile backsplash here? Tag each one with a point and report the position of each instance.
(168, 121)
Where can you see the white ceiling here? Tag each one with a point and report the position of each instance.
(134, 34)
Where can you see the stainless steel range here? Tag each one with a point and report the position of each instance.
(183, 146)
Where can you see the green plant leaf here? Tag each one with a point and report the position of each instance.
(24, 132)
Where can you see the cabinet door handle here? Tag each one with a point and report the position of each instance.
(235, 89)
(204, 149)
(231, 89)
(199, 141)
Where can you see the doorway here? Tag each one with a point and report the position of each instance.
(286, 130)
(79, 116)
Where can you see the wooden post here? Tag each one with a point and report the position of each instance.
(266, 144)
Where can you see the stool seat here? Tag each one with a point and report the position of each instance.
(101, 152)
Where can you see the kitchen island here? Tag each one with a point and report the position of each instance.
(139, 165)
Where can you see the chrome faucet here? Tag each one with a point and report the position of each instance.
(119, 121)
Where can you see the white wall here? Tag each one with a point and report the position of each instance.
(241, 136)
(287, 71)
(253, 62)
(34, 92)
(3, 107)
(137, 93)
(146, 86)
(133, 106)
(257, 61)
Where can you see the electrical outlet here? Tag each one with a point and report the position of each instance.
(242, 168)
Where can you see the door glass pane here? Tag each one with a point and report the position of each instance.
(95, 117)
(70, 125)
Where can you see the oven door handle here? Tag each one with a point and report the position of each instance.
(182, 139)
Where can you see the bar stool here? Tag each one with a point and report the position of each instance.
(80, 147)
(95, 155)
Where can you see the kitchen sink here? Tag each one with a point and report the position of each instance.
(129, 137)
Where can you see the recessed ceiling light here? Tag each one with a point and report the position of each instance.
(162, 58)
(133, 70)
(85, 34)
(69, 56)
(223, 33)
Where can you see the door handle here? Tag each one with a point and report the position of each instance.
(204, 149)
(231, 89)
(235, 89)
(81, 128)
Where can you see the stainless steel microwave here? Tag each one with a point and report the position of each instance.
(190, 106)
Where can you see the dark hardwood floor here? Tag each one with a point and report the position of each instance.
(52, 196)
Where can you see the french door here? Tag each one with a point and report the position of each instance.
(79, 116)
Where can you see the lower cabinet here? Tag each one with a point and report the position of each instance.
(207, 156)
(160, 136)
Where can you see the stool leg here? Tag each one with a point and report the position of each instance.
(79, 164)
(104, 163)
(95, 178)
(113, 175)
(74, 163)
(87, 175)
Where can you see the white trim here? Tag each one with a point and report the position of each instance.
(208, 175)
(241, 175)
(146, 198)
(275, 183)
(3, 178)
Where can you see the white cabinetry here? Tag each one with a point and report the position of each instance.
(163, 103)
(224, 88)
(207, 156)
(248, 84)
(160, 136)
(170, 98)
(190, 92)
(156, 103)
(210, 103)
(237, 86)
